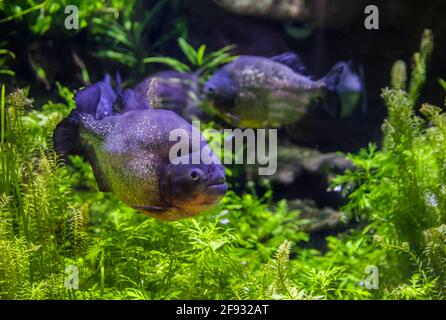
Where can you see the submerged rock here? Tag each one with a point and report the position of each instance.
(320, 131)
(334, 13)
(319, 219)
(306, 174)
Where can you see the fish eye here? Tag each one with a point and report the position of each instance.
(195, 175)
(210, 90)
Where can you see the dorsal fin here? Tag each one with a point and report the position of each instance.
(130, 100)
(108, 97)
(292, 60)
(87, 99)
(118, 82)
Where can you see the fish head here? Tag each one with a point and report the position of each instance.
(222, 90)
(193, 188)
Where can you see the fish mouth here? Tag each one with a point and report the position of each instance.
(218, 186)
(216, 182)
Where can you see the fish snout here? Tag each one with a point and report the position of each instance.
(217, 180)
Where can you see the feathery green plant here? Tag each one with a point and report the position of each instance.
(401, 188)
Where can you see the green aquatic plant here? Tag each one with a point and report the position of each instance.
(48, 16)
(33, 207)
(400, 189)
(119, 32)
(52, 216)
(197, 59)
(5, 55)
(125, 36)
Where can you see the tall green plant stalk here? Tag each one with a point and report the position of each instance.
(401, 188)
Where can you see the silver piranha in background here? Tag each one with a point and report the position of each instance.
(173, 90)
(128, 149)
(260, 92)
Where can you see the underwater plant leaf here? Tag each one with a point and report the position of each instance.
(7, 52)
(112, 31)
(219, 60)
(120, 57)
(21, 13)
(7, 72)
(223, 51)
(2, 114)
(200, 54)
(442, 83)
(188, 51)
(171, 62)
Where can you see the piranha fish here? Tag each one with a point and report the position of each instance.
(128, 148)
(260, 92)
(173, 90)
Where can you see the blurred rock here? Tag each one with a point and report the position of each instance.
(285, 9)
(218, 28)
(319, 219)
(326, 134)
(306, 173)
(326, 13)
(333, 13)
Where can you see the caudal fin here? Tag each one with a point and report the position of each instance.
(330, 101)
(333, 77)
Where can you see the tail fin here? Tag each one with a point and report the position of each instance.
(66, 135)
(331, 102)
(333, 77)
